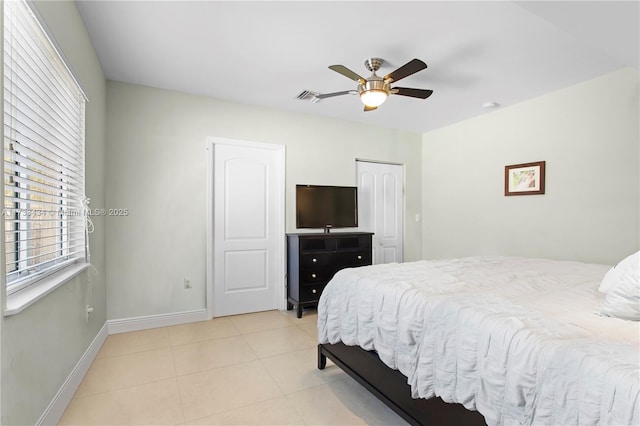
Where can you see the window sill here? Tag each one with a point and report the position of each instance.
(20, 300)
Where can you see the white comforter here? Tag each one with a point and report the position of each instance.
(520, 340)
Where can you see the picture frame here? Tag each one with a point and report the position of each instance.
(524, 179)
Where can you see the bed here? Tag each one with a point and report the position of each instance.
(486, 340)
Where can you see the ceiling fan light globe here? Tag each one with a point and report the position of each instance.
(373, 98)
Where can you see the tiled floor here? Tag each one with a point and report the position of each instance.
(254, 369)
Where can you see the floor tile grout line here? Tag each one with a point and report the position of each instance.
(217, 366)
(295, 408)
(179, 376)
(238, 408)
(175, 371)
(75, 396)
(200, 342)
(266, 329)
(235, 319)
(269, 329)
(145, 331)
(271, 375)
(131, 353)
(237, 331)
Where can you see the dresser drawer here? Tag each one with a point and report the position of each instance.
(352, 258)
(315, 260)
(311, 292)
(311, 275)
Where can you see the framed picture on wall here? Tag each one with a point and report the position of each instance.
(524, 179)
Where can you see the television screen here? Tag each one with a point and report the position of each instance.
(326, 206)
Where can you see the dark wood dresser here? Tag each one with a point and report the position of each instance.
(313, 259)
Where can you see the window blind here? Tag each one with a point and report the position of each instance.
(44, 202)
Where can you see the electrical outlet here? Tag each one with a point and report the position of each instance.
(89, 312)
(187, 282)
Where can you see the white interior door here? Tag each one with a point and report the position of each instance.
(381, 208)
(248, 227)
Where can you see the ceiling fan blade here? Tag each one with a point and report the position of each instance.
(414, 93)
(331, 95)
(368, 108)
(411, 67)
(341, 69)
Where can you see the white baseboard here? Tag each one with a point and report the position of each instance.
(154, 321)
(61, 400)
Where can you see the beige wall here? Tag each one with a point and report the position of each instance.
(588, 134)
(157, 169)
(41, 345)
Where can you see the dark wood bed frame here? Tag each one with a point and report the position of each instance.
(390, 386)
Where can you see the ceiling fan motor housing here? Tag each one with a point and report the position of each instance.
(374, 84)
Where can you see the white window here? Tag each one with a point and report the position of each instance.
(44, 201)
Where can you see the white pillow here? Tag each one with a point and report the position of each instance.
(614, 275)
(622, 285)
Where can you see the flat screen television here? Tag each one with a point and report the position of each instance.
(326, 207)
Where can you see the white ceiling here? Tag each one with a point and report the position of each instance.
(266, 52)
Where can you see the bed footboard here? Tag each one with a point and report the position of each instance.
(391, 387)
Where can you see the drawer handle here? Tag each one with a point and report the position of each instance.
(359, 257)
(314, 291)
(313, 275)
(314, 260)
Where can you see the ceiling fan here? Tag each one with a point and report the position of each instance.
(374, 90)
